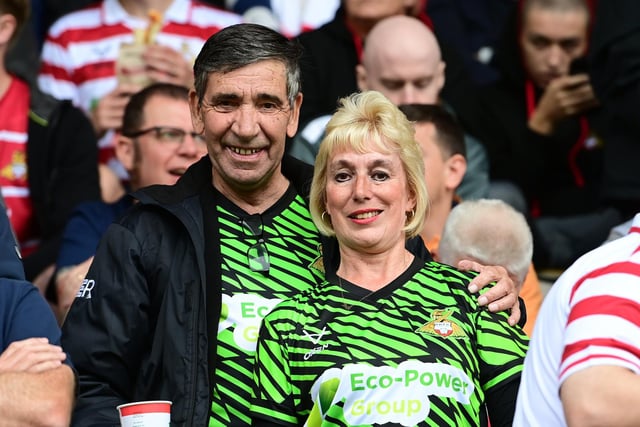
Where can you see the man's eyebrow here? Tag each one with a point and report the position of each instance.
(270, 97)
(539, 37)
(224, 97)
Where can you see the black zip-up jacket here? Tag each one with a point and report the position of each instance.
(62, 165)
(141, 324)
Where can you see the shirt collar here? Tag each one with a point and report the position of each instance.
(113, 13)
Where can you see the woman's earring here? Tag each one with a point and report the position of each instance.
(323, 214)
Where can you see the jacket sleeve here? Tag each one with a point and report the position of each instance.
(108, 329)
(71, 163)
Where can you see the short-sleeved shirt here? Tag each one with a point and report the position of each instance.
(419, 351)
(589, 318)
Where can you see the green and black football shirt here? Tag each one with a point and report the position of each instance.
(265, 259)
(418, 352)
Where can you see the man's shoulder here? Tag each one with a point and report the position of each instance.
(10, 289)
(43, 106)
(81, 19)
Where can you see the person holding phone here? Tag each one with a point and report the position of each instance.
(535, 122)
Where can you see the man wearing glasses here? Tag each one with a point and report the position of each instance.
(156, 145)
(171, 306)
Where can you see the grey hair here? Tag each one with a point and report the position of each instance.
(239, 45)
(488, 231)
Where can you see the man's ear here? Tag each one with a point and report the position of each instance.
(7, 28)
(440, 76)
(294, 116)
(456, 167)
(125, 151)
(361, 77)
(196, 112)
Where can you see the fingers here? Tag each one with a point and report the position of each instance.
(109, 110)
(167, 65)
(515, 315)
(486, 274)
(502, 296)
(31, 355)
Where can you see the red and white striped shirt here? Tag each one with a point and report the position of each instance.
(14, 113)
(591, 316)
(81, 48)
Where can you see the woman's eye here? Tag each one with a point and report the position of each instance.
(380, 176)
(341, 177)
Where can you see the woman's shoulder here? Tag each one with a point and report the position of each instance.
(447, 272)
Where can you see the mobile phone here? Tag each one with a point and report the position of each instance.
(579, 65)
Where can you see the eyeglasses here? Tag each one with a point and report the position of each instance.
(257, 254)
(169, 135)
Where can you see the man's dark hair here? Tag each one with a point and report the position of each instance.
(449, 133)
(555, 5)
(134, 111)
(239, 45)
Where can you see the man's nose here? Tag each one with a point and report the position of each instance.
(409, 95)
(245, 123)
(555, 56)
(190, 147)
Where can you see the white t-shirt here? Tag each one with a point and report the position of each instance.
(589, 317)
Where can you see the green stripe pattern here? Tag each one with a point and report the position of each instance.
(417, 353)
(293, 244)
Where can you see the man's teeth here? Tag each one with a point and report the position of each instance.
(244, 151)
(366, 215)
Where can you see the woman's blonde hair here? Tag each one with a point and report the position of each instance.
(363, 118)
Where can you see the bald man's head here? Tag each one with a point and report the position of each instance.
(402, 60)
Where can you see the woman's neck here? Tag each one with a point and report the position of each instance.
(373, 271)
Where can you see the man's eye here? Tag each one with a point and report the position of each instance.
(540, 43)
(170, 134)
(393, 85)
(422, 84)
(269, 107)
(569, 46)
(224, 106)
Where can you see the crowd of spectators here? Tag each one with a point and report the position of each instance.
(540, 97)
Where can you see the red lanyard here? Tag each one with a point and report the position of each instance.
(575, 149)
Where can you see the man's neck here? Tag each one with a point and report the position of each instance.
(141, 8)
(254, 201)
(5, 81)
(436, 218)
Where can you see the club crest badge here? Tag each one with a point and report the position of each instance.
(442, 326)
